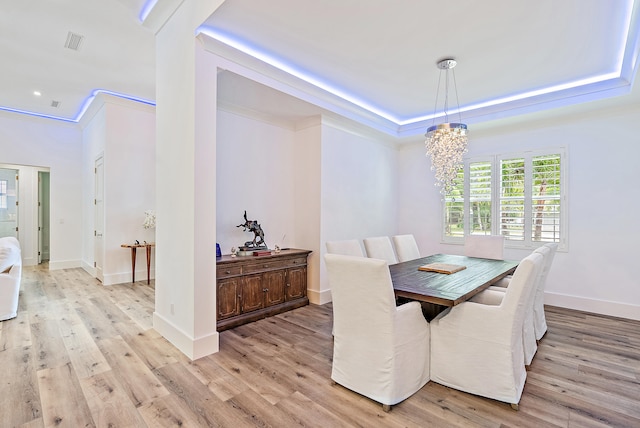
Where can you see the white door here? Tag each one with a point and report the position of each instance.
(8, 202)
(99, 218)
(40, 217)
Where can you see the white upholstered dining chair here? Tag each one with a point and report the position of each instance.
(539, 319)
(350, 247)
(379, 350)
(406, 247)
(484, 246)
(477, 347)
(380, 247)
(529, 341)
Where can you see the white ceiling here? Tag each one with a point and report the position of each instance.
(117, 53)
(379, 55)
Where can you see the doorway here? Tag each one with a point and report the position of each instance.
(24, 210)
(8, 202)
(99, 219)
(43, 217)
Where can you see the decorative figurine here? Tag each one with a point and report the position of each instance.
(276, 249)
(234, 251)
(258, 235)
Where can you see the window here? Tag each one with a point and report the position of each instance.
(454, 208)
(546, 199)
(3, 194)
(519, 196)
(480, 198)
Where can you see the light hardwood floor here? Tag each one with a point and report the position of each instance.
(80, 354)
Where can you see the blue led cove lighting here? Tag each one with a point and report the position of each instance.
(625, 56)
(85, 105)
(146, 9)
(291, 69)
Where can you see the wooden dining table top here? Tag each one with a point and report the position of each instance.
(447, 289)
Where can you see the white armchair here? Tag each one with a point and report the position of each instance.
(380, 248)
(379, 350)
(350, 247)
(484, 246)
(477, 347)
(10, 276)
(406, 247)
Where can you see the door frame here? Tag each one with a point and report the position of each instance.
(98, 226)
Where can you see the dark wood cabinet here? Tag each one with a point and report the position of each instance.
(250, 288)
(296, 287)
(228, 303)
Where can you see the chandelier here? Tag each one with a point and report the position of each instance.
(446, 143)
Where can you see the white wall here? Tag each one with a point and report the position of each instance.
(596, 273)
(94, 140)
(123, 132)
(359, 183)
(310, 184)
(307, 200)
(46, 143)
(255, 172)
(129, 188)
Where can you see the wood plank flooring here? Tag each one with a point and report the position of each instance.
(80, 354)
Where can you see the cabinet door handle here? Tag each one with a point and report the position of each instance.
(266, 266)
(288, 285)
(295, 262)
(227, 272)
(265, 289)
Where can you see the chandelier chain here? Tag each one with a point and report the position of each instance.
(446, 143)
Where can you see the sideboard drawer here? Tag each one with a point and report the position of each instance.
(264, 265)
(299, 261)
(225, 271)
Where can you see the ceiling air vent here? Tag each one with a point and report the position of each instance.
(73, 41)
(55, 104)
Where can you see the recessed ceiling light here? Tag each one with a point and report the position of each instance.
(37, 93)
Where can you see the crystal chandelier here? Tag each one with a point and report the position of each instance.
(446, 143)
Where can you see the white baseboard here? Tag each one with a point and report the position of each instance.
(89, 269)
(602, 307)
(192, 348)
(319, 297)
(65, 264)
(120, 278)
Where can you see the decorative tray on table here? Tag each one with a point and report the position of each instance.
(442, 268)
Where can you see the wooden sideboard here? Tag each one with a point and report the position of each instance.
(250, 288)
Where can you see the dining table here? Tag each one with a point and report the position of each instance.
(437, 290)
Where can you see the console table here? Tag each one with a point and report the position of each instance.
(250, 288)
(133, 247)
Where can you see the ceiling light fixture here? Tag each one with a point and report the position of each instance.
(446, 143)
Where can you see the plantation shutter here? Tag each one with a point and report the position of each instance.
(512, 199)
(480, 198)
(545, 198)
